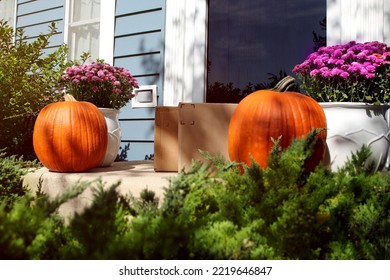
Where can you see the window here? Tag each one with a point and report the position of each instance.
(84, 28)
(7, 11)
(252, 43)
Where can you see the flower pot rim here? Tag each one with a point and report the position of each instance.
(351, 104)
(108, 109)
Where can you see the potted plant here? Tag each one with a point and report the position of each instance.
(109, 88)
(351, 82)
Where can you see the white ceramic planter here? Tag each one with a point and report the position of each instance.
(350, 125)
(114, 135)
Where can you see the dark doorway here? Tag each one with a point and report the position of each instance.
(252, 44)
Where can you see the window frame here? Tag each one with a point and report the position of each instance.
(106, 27)
(185, 60)
(13, 16)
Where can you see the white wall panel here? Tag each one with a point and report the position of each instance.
(359, 20)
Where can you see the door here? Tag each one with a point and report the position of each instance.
(253, 43)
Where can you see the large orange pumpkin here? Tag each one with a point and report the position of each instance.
(70, 136)
(268, 114)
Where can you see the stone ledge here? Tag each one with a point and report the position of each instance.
(134, 176)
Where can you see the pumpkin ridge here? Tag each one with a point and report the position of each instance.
(50, 114)
(285, 128)
(69, 141)
(56, 119)
(300, 123)
(91, 140)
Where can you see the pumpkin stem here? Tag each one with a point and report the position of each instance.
(285, 84)
(69, 97)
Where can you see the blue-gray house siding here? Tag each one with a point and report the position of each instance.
(138, 46)
(36, 16)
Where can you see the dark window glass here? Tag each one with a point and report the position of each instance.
(254, 43)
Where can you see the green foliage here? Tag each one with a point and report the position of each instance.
(11, 173)
(215, 212)
(32, 228)
(283, 212)
(261, 214)
(29, 76)
(359, 212)
(12, 170)
(97, 228)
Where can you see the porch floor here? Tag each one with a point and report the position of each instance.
(134, 176)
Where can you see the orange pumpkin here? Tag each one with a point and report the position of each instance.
(70, 136)
(268, 114)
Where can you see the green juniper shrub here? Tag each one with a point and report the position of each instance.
(281, 212)
(215, 212)
(99, 228)
(359, 212)
(12, 170)
(32, 228)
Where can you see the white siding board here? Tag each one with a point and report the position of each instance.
(358, 20)
(386, 22)
(185, 61)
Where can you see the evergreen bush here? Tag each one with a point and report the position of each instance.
(214, 212)
(29, 79)
(12, 170)
(33, 229)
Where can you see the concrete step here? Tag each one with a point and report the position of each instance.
(134, 176)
